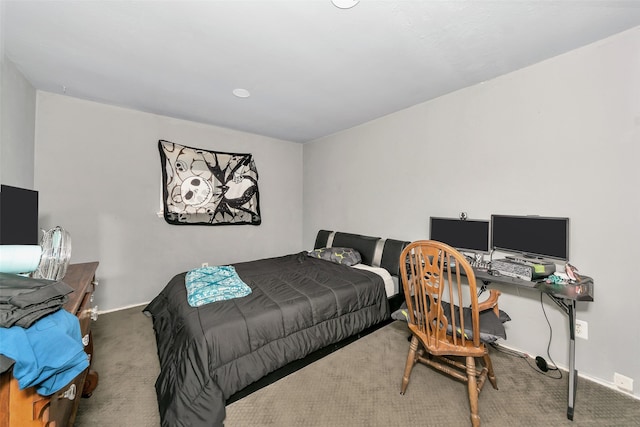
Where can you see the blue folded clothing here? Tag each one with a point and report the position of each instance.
(48, 354)
(210, 284)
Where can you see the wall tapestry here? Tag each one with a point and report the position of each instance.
(202, 187)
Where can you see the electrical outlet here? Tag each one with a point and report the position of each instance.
(205, 264)
(582, 329)
(622, 382)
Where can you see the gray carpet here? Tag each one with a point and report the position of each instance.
(355, 386)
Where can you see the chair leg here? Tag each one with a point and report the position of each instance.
(411, 361)
(490, 374)
(473, 391)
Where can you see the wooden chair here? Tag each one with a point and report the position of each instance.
(451, 339)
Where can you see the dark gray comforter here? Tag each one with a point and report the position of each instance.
(298, 304)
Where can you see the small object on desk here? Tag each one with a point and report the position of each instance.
(557, 279)
(480, 265)
(572, 272)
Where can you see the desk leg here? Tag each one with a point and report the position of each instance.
(569, 306)
(573, 373)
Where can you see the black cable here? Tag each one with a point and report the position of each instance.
(525, 356)
(555, 366)
(508, 351)
(482, 289)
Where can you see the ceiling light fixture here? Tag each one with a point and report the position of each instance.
(345, 4)
(241, 93)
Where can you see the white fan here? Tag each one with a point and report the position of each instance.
(56, 253)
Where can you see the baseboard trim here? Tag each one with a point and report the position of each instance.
(144, 304)
(599, 381)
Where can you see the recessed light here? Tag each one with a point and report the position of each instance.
(241, 93)
(345, 4)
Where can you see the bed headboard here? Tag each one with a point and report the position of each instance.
(375, 251)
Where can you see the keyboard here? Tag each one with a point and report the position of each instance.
(481, 265)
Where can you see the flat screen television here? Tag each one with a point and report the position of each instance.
(470, 235)
(18, 216)
(531, 236)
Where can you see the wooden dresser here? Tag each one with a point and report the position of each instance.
(26, 408)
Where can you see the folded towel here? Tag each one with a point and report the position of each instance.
(210, 284)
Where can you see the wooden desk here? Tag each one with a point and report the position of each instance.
(26, 408)
(565, 296)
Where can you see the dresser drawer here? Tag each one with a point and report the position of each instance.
(84, 316)
(63, 404)
(26, 408)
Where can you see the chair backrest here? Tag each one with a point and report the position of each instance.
(437, 280)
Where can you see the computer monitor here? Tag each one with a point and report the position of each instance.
(18, 216)
(470, 235)
(531, 236)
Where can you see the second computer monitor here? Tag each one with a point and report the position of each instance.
(470, 235)
(531, 236)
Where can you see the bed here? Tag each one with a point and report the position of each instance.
(298, 304)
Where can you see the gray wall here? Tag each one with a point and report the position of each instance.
(560, 138)
(17, 127)
(98, 173)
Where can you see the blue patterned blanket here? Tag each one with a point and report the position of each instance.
(210, 284)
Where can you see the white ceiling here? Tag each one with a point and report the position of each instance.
(312, 69)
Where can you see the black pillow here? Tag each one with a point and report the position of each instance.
(491, 328)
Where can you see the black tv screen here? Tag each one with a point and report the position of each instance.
(18, 216)
(532, 236)
(470, 235)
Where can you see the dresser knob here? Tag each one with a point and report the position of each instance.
(85, 340)
(70, 393)
(95, 282)
(94, 313)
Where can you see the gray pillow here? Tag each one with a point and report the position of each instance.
(491, 326)
(344, 256)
